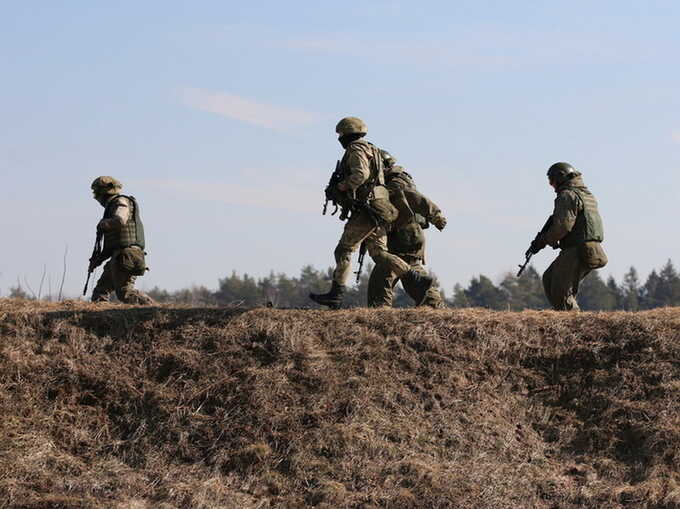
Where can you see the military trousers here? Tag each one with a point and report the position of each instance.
(360, 227)
(382, 281)
(117, 278)
(562, 278)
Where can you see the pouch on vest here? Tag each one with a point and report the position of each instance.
(132, 261)
(387, 212)
(592, 255)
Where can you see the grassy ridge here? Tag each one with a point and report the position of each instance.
(176, 407)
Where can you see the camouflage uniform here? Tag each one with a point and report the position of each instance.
(577, 230)
(362, 165)
(123, 234)
(362, 191)
(406, 239)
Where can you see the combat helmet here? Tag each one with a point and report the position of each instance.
(559, 172)
(105, 185)
(388, 159)
(351, 125)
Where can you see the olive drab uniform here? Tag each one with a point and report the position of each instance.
(361, 190)
(577, 230)
(406, 239)
(365, 182)
(124, 244)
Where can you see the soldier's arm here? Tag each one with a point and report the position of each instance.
(564, 218)
(421, 204)
(359, 166)
(121, 215)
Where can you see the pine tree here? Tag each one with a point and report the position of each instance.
(525, 292)
(631, 290)
(483, 293)
(594, 295)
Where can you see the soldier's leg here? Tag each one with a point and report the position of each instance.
(420, 282)
(579, 276)
(104, 285)
(357, 228)
(433, 297)
(376, 244)
(561, 280)
(124, 285)
(381, 286)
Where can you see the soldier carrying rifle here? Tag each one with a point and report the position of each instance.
(122, 232)
(575, 227)
(358, 187)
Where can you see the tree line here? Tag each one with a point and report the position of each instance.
(661, 288)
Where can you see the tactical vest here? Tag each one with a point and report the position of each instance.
(132, 232)
(408, 241)
(588, 225)
(366, 191)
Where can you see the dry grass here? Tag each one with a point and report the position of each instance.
(105, 406)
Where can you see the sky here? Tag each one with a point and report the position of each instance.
(219, 117)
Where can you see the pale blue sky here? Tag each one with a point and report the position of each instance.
(219, 117)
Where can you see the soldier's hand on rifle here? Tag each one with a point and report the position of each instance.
(342, 186)
(94, 263)
(536, 245)
(107, 225)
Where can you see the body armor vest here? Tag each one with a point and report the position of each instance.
(408, 241)
(365, 192)
(132, 232)
(588, 226)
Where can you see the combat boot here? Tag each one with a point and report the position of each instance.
(332, 299)
(420, 283)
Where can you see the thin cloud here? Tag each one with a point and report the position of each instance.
(246, 110)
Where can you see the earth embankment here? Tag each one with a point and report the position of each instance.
(104, 406)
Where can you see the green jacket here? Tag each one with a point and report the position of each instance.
(406, 237)
(576, 218)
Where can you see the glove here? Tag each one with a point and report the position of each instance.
(94, 263)
(536, 245)
(106, 225)
(439, 221)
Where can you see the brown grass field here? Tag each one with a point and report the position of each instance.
(113, 406)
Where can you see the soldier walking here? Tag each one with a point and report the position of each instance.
(406, 237)
(363, 192)
(576, 228)
(123, 233)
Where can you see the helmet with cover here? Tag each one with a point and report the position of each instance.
(351, 125)
(104, 186)
(388, 159)
(561, 172)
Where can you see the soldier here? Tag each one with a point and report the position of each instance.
(123, 234)
(406, 237)
(364, 192)
(576, 228)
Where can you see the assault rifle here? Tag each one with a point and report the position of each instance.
(96, 253)
(332, 193)
(362, 255)
(529, 253)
